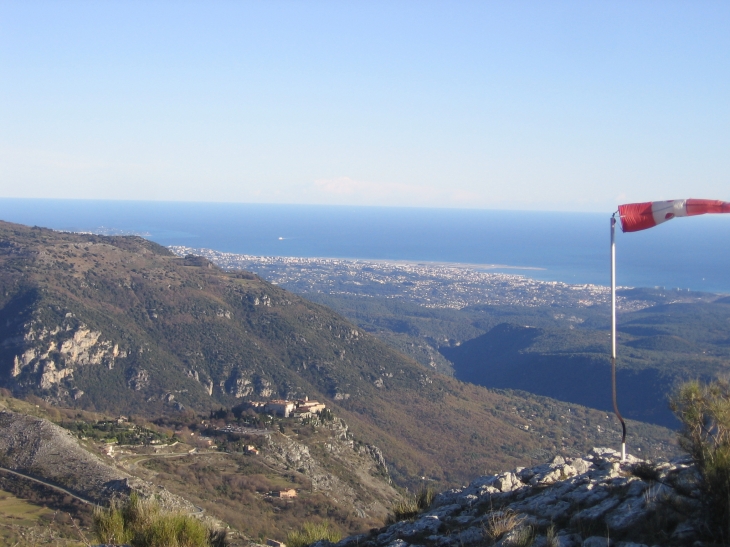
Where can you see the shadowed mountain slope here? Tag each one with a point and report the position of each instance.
(659, 347)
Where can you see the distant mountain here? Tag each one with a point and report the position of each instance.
(120, 324)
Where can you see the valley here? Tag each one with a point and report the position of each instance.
(510, 332)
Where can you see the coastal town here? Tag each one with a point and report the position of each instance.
(432, 285)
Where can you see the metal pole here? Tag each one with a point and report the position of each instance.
(613, 335)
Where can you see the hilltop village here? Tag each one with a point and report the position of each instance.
(300, 408)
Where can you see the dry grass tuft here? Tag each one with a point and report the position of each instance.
(500, 523)
(410, 506)
(312, 532)
(142, 523)
(551, 537)
(524, 536)
(509, 528)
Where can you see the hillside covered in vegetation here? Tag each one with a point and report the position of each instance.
(562, 351)
(120, 324)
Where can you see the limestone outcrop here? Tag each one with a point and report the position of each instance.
(46, 357)
(571, 502)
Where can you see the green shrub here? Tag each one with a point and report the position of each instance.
(424, 498)
(646, 472)
(175, 529)
(311, 532)
(143, 523)
(410, 506)
(704, 410)
(139, 513)
(109, 525)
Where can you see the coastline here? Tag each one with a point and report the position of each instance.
(479, 267)
(430, 284)
(570, 248)
(434, 263)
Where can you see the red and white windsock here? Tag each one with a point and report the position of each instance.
(640, 216)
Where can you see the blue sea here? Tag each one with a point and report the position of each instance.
(686, 253)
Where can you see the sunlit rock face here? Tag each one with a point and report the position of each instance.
(45, 357)
(593, 500)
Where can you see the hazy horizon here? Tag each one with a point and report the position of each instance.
(559, 106)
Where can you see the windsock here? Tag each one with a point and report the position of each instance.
(640, 216)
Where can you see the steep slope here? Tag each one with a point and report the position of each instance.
(35, 447)
(334, 474)
(507, 357)
(120, 324)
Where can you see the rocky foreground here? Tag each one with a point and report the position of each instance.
(590, 501)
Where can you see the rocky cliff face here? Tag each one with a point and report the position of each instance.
(44, 357)
(590, 501)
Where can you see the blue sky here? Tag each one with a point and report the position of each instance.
(510, 105)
